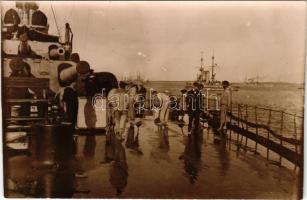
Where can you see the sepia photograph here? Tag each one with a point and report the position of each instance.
(153, 100)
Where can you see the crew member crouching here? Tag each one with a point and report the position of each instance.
(161, 108)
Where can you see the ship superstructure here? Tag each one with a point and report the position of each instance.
(26, 42)
(204, 76)
(38, 65)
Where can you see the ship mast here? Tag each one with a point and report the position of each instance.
(201, 69)
(201, 62)
(212, 69)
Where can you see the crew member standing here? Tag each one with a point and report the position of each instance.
(67, 99)
(194, 101)
(225, 105)
(139, 104)
(131, 89)
(118, 99)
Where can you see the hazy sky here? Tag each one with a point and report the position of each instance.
(164, 40)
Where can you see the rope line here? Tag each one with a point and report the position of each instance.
(56, 24)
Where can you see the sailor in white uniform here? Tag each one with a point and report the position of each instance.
(225, 105)
(161, 103)
(118, 104)
(161, 108)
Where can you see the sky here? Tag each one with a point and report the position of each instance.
(165, 40)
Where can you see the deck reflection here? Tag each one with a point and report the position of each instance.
(151, 165)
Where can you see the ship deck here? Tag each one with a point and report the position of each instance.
(168, 172)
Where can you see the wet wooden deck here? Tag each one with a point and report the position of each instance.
(159, 171)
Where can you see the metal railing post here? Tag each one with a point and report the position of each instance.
(268, 135)
(281, 134)
(256, 120)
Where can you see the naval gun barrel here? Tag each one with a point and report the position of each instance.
(70, 74)
(56, 52)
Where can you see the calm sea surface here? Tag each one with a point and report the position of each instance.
(286, 97)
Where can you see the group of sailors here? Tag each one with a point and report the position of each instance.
(193, 106)
(128, 104)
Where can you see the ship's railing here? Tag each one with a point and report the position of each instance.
(278, 131)
(255, 127)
